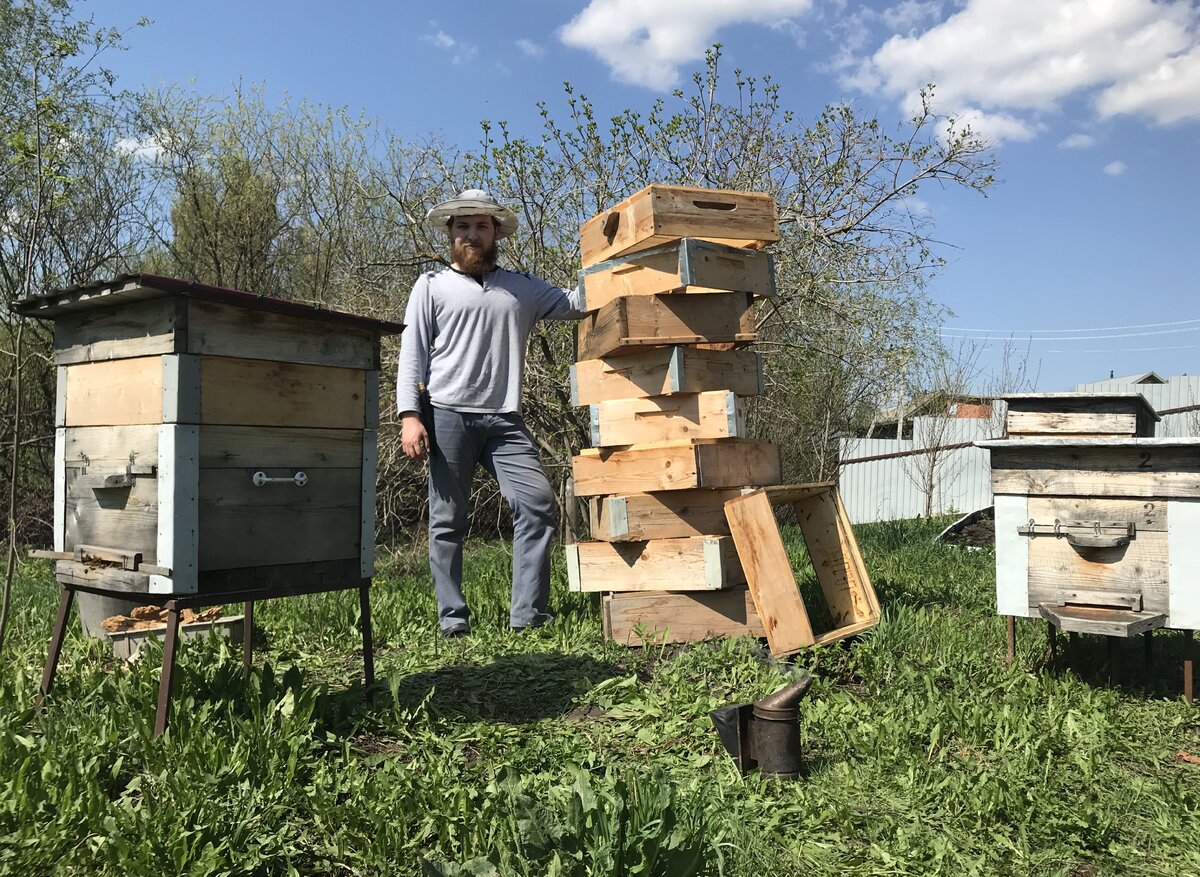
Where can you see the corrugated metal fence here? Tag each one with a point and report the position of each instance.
(892, 488)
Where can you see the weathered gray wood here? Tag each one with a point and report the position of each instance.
(679, 617)
(125, 519)
(140, 328)
(1060, 482)
(1103, 597)
(371, 399)
(331, 574)
(262, 447)
(110, 578)
(60, 488)
(242, 525)
(181, 389)
(1106, 622)
(1146, 514)
(247, 392)
(1076, 423)
(110, 449)
(370, 458)
(1056, 567)
(225, 330)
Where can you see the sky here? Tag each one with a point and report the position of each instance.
(1080, 261)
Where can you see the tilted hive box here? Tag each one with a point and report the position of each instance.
(209, 440)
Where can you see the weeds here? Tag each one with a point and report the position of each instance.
(555, 752)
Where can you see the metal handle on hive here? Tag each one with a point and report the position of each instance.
(261, 479)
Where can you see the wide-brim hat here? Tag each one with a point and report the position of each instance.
(474, 202)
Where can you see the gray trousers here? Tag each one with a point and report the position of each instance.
(504, 447)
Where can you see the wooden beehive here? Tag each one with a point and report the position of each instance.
(210, 440)
(632, 323)
(1098, 535)
(1079, 415)
(662, 214)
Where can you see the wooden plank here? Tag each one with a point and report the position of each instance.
(679, 617)
(634, 322)
(264, 447)
(1102, 597)
(672, 514)
(1106, 622)
(711, 415)
(1145, 514)
(684, 267)
(178, 524)
(1151, 485)
(1056, 568)
(116, 393)
(254, 392)
(1183, 552)
(659, 214)
(1078, 423)
(181, 388)
(786, 494)
(60, 489)
(110, 578)
(216, 329)
(1012, 557)
(107, 450)
(329, 574)
(665, 370)
(135, 329)
(242, 525)
(366, 503)
(768, 572)
(706, 563)
(676, 466)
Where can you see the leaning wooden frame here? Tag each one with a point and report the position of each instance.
(837, 563)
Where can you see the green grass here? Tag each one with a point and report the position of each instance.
(554, 752)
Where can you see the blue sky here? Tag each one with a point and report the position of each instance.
(1086, 246)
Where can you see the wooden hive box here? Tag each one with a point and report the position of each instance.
(210, 440)
(1098, 524)
(664, 371)
(631, 323)
(1079, 415)
(679, 465)
(661, 214)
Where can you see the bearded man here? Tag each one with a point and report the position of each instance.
(466, 330)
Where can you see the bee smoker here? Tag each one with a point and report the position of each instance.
(765, 734)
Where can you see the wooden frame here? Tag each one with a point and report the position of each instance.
(663, 371)
(836, 561)
(671, 617)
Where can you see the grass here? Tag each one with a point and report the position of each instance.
(554, 752)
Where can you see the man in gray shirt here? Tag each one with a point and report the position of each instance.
(466, 330)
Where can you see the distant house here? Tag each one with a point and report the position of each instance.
(897, 421)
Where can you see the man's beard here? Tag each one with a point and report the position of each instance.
(474, 260)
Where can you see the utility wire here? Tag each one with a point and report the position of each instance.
(1044, 331)
(1085, 337)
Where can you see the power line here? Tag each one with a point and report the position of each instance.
(1044, 331)
(1085, 337)
(1127, 349)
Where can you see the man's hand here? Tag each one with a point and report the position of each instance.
(413, 437)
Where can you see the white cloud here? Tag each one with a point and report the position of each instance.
(460, 51)
(1115, 168)
(1027, 56)
(645, 43)
(1077, 141)
(530, 49)
(146, 149)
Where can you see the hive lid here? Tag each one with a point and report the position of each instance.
(136, 287)
(1049, 398)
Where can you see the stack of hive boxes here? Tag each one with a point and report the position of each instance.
(669, 280)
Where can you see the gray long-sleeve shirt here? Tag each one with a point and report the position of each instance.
(466, 340)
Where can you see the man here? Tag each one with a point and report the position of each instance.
(466, 329)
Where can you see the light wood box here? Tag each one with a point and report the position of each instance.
(171, 397)
(685, 266)
(701, 563)
(659, 214)
(676, 466)
(632, 323)
(711, 415)
(664, 371)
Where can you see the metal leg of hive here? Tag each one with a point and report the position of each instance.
(56, 641)
(248, 639)
(1187, 666)
(1010, 652)
(1114, 660)
(364, 605)
(163, 714)
(1052, 643)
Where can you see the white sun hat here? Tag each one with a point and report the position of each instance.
(474, 202)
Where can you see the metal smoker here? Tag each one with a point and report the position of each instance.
(765, 734)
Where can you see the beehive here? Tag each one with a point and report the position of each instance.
(1079, 415)
(209, 440)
